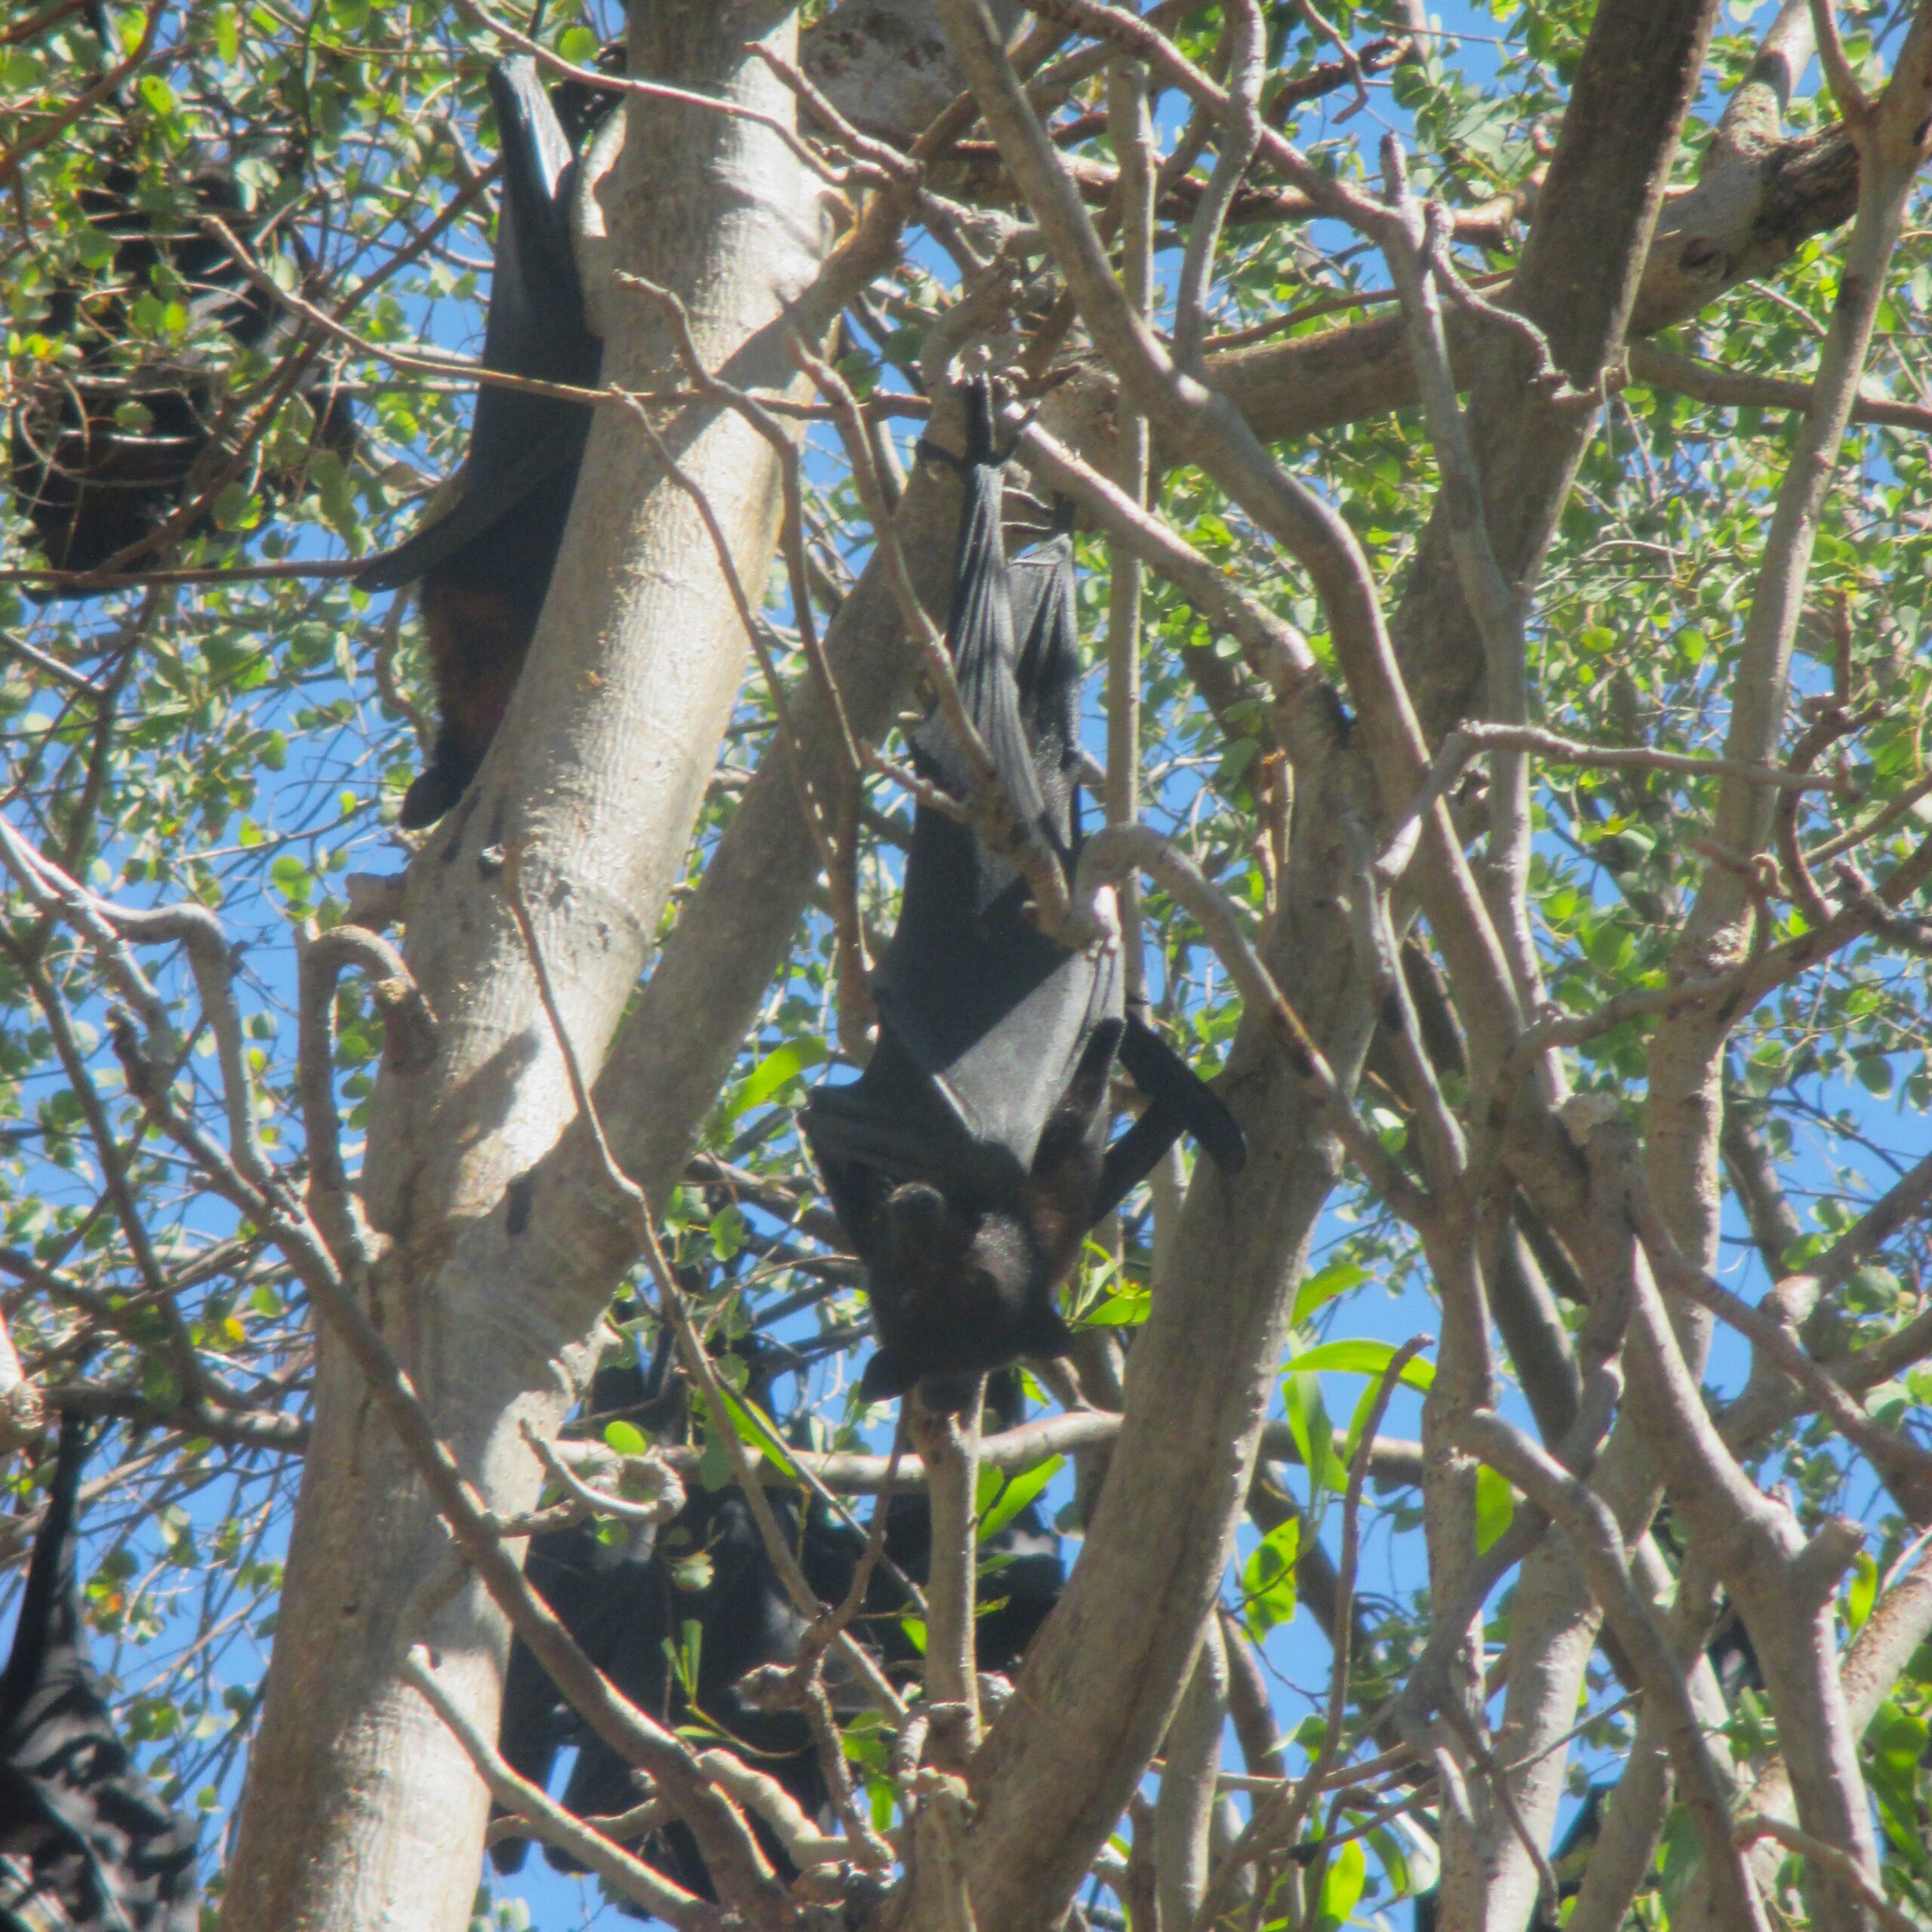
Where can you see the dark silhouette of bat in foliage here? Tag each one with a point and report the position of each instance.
(485, 560)
(1021, 1571)
(630, 1605)
(707, 1568)
(85, 1845)
(968, 1161)
(104, 446)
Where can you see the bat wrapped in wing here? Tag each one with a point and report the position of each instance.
(969, 1160)
(84, 1842)
(485, 560)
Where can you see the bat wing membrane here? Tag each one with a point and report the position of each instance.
(988, 1029)
(979, 999)
(536, 327)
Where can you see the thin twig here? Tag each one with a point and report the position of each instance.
(630, 1877)
(1272, 1825)
(1118, 849)
(1756, 1825)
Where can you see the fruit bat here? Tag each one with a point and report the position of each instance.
(969, 1160)
(708, 1568)
(84, 1843)
(485, 562)
(101, 453)
(625, 1603)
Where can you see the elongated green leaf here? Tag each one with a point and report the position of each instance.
(1307, 1420)
(1862, 1593)
(754, 1426)
(1323, 1286)
(1496, 1506)
(1342, 1883)
(1269, 1589)
(1012, 1495)
(783, 1063)
(1359, 1357)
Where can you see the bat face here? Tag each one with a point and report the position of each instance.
(968, 1161)
(957, 1291)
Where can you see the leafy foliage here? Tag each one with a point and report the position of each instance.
(239, 741)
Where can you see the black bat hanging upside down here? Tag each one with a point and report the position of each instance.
(968, 1161)
(84, 1843)
(110, 437)
(485, 562)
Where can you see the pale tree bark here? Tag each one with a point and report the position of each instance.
(362, 1810)
(1582, 269)
(1554, 1617)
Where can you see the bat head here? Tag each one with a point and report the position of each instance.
(956, 1290)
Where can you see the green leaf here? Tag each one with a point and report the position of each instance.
(1322, 1287)
(782, 1064)
(1342, 1883)
(1308, 1422)
(1862, 1592)
(1359, 1357)
(626, 1437)
(754, 1426)
(1875, 1073)
(1127, 1308)
(691, 1648)
(728, 1232)
(1496, 1506)
(1269, 1589)
(1012, 1495)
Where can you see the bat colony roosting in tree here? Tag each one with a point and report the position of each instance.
(969, 1154)
(969, 1159)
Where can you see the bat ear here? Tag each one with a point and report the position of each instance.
(885, 1377)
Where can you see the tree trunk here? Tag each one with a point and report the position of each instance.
(360, 1811)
